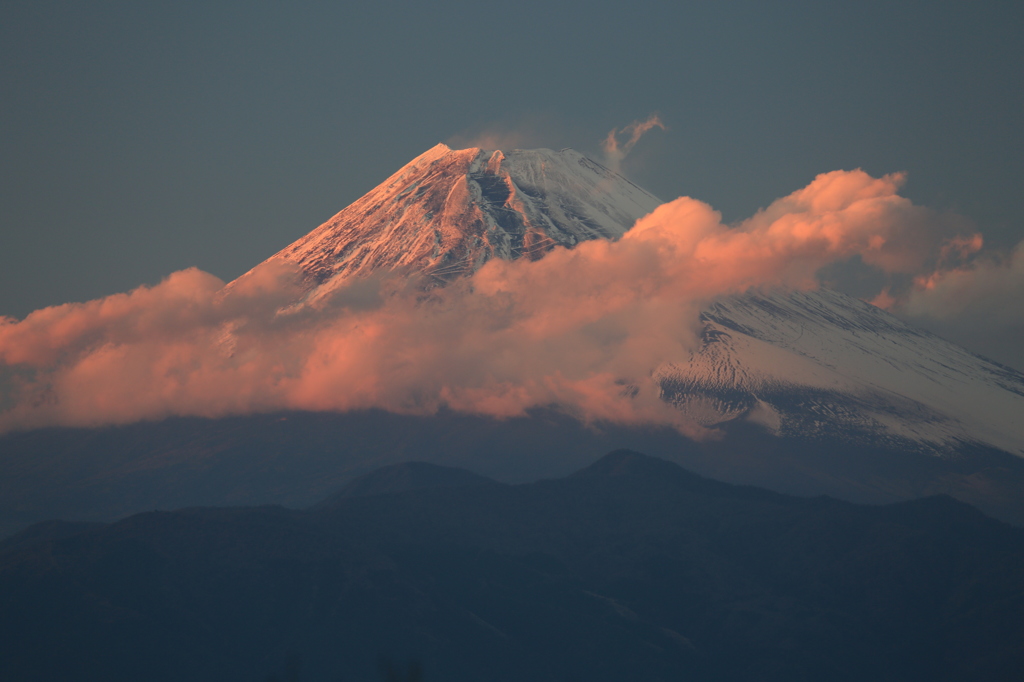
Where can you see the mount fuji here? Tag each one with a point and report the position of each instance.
(816, 364)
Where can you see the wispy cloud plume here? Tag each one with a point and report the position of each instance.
(573, 329)
(620, 142)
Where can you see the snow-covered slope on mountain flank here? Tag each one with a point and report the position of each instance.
(448, 211)
(823, 364)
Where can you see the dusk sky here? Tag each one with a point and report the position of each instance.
(605, 340)
(142, 139)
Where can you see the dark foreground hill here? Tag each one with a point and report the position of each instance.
(631, 569)
(297, 459)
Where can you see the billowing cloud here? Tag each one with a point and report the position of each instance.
(993, 282)
(979, 303)
(619, 142)
(581, 329)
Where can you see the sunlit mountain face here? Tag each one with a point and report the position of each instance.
(447, 212)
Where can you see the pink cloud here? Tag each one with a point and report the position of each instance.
(581, 329)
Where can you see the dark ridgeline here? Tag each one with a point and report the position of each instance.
(299, 458)
(631, 569)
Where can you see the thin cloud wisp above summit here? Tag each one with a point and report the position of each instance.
(615, 151)
(523, 132)
(581, 329)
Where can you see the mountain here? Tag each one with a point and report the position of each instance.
(816, 364)
(631, 569)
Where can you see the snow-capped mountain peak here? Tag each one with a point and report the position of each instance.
(447, 212)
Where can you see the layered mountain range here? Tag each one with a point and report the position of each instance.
(458, 546)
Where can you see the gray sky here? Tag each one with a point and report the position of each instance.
(143, 138)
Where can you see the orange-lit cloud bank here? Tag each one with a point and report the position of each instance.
(572, 329)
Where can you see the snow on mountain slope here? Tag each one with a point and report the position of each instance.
(448, 211)
(823, 364)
